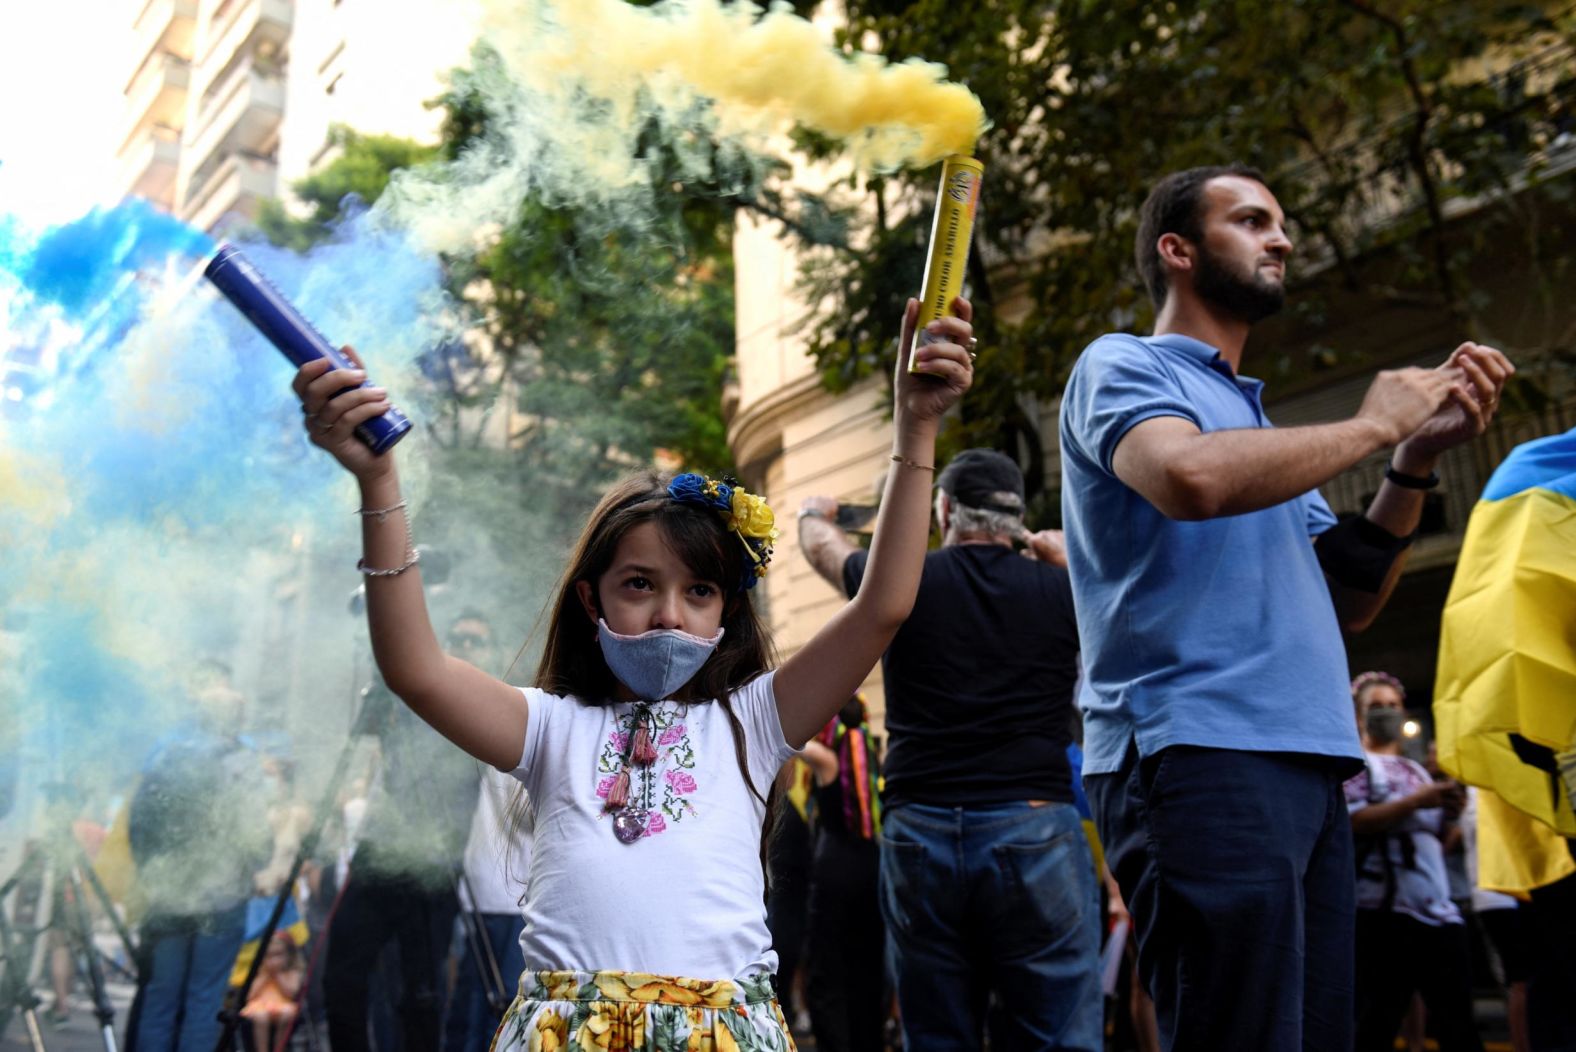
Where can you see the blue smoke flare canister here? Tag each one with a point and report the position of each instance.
(273, 316)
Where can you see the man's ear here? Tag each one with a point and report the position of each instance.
(1176, 251)
(943, 511)
(587, 596)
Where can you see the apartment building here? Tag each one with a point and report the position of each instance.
(229, 101)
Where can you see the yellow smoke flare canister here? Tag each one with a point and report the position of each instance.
(951, 230)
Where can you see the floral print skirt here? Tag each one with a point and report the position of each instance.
(637, 1012)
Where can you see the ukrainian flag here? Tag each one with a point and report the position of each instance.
(1505, 697)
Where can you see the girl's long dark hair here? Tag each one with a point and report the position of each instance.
(572, 660)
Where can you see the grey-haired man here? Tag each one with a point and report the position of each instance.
(987, 884)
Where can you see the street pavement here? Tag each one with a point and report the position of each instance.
(79, 1033)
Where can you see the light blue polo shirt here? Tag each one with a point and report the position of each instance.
(1218, 633)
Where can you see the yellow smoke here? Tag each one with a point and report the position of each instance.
(580, 82)
(776, 68)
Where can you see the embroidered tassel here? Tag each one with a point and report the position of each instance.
(618, 793)
(642, 752)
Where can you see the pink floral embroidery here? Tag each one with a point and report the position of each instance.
(672, 734)
(604, 786)
(681, 781)
(655, 824)
(619, 739)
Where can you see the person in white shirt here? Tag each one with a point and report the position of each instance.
(497, 857)
(1410, 935)
(656, 723)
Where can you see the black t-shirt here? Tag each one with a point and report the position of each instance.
(979, 680)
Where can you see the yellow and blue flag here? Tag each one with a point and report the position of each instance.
(1505, 697)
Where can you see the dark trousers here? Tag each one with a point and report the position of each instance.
(376, 908)
(1237, 868)
(992, 908)
(471, 1021)
(787, 910)
(185, 971)
(1398, 956)
(845, 983)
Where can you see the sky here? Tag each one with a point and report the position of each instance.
(64, 64)
(61, 69)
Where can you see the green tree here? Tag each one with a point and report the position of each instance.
(606, 335)
(360, 171)
(1373, 119)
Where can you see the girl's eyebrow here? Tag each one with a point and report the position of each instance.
(624, 568)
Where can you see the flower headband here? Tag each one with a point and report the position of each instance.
(1369, 679)
(744, 513)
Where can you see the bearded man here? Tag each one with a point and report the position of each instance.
(1212, 583)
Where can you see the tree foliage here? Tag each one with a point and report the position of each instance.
(359, 172)
(1382, 125)
(608, 335)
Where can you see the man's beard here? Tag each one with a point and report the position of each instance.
(1250, 299)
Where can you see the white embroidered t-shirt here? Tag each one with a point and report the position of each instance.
(685, 899)
(1422, 887)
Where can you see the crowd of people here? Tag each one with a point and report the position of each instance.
(1147, 719)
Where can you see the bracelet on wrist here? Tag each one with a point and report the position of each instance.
(898, 458)
(412, 554)
(382, 513)
(394, 571)
(1405, 481)
(813, 513)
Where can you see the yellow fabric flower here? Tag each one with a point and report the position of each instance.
(551, 1033)
(752, 517)
(560, 986)
(614, 1026)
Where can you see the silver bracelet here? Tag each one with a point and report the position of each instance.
(412, 555)
(382, 513)
(414, 558)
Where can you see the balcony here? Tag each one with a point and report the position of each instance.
(149, 164)
(157, 95)
(235, 188)
(1463, 472)
(243, 116)
(244, 27)
(167, 26)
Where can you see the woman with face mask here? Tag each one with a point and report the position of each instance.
(1410, 936)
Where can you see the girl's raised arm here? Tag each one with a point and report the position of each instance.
(823, 674)
(482, 715)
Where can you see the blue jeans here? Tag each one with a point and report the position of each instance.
(992, 909)
(190, 959)
(471, 1022)
(1237, 868)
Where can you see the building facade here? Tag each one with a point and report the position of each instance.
(230, 101)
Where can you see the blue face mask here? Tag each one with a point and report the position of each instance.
(654, 664)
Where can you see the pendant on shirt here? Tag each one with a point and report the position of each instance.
(629, 824)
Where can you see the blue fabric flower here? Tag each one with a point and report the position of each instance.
(688, 488)
(718, 496)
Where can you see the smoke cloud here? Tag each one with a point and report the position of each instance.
(575, 90)
(159, 502)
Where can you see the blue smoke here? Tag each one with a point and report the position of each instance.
(159, 448)
(82, 262)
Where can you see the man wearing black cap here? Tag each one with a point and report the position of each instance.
(987, 884)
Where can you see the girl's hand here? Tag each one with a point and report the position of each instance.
(331, 421)
(945, 365)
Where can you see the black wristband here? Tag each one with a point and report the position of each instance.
(1406, 481)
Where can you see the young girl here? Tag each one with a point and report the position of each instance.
(655, 724)
(272, 1002)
